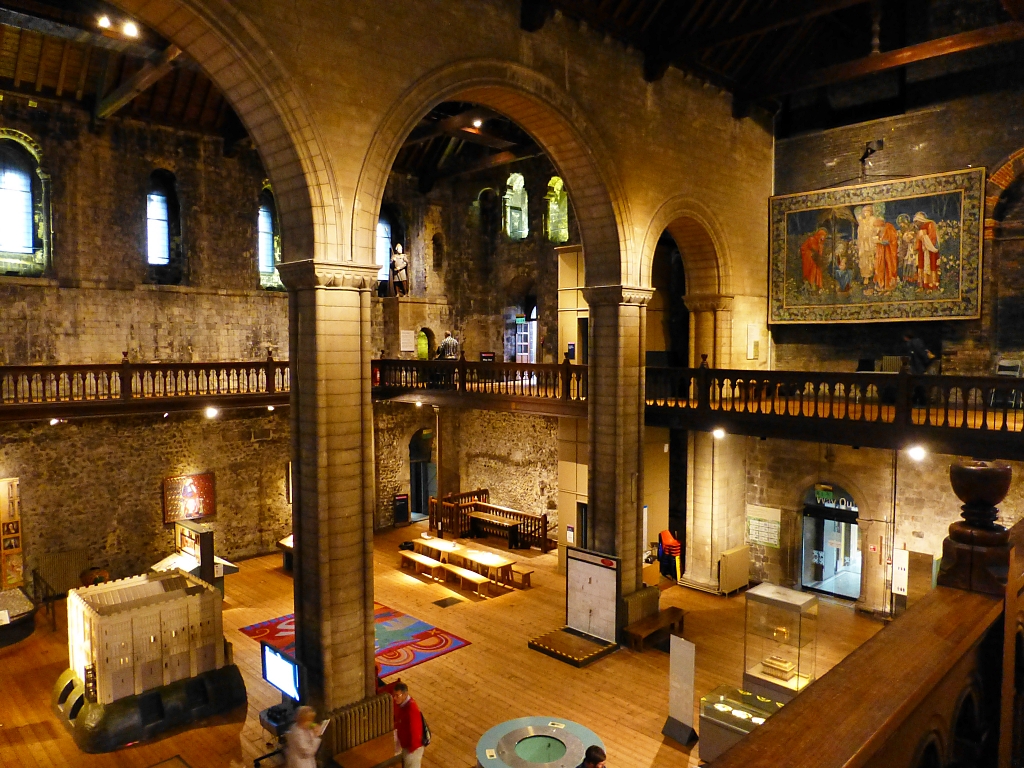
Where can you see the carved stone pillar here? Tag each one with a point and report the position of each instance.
(710, 329)
(618, 317)
(332, 470)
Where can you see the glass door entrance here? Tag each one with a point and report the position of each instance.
(831, 555)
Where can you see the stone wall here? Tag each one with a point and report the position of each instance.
(96, 484)
(96, 301)
(394, 424)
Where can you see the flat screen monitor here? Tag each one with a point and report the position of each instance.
(280, 671)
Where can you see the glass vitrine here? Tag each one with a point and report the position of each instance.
(727, 715)
(780, 642)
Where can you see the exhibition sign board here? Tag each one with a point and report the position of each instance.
(12, 559)
(682, 659)
(592, 589)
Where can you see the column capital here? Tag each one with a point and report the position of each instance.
(707, 302)
(604, 295)
(307, 274)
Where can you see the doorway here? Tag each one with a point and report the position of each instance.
(422, 474)
(831, 543)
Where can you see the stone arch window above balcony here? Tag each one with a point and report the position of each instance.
(557, 217)
(164, 257)
(268, 245)
(516, 209)
(24, 207)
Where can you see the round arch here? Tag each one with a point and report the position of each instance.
(544, 111)
(701, 241)
(237, 59)
(833, 477)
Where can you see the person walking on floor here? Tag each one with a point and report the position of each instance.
(593, 758)
(409, 727)
(303, 739)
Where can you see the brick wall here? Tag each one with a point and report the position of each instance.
(96, 484)
(96, 301)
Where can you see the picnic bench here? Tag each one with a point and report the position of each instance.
(482, 523)
(419, 561)
(670, 618)
(464, 575)
(376, 753)
(524, 575)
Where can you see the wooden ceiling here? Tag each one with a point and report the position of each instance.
(56, 50)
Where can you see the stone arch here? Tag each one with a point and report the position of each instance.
(701, 241)
(998, 184)
(238, 60)
(844, 481)
(544, 111)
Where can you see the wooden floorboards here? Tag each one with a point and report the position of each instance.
(623, 697)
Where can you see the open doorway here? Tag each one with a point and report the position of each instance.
(422, 474)
(831, 542)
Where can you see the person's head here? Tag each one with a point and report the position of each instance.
(401, 692)
(305, 717)
(908, 334)
(447, 334)
(398, 247)
(920, 219)
(594, 757)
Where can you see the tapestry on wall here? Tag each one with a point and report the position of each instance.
(188, 497)
(12, 561)
(908, 249)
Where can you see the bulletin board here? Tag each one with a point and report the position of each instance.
(593, 585)
(12, 560)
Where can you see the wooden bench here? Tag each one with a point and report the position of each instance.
(420, 561)
(510, 528)
(670, 618)
(523, 574)
(376, 753)
(464, 574)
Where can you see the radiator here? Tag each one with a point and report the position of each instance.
(62, 570)
(734, 569)
(359, 723)
(641, 604)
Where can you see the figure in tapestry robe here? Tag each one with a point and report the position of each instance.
(865, 242)
(812, 256)
(886, 250)
(927, 247)
(906, 256)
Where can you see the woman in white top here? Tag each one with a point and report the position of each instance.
(304, 739)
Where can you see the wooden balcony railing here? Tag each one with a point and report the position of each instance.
(951, 414)
(517, 386)
(40, 391)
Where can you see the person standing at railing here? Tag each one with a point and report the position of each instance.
(920, 357)
(449, 348)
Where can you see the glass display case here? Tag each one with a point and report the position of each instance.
(727, 715)
(780, 642)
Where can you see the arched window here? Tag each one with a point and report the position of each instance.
(163, 229)
(558, 211)
(24, 215)
(268, 243)
(383, 249)
(517, 224)
(437, 247)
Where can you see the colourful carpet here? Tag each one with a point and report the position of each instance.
(402, 641)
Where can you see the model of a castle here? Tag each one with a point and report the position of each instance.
(132, 635)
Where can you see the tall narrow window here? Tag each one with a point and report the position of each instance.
(383, 249)
(558, 211)
(163, 230)
(268, 242)
(517, 224)
(23, 202)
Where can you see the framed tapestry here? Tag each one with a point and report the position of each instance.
(12, 560)
(891, 251)
(188, 497)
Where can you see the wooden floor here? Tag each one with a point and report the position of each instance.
(622, 697)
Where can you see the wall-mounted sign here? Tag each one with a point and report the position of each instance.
(12, 561)
(407, 340)
(188, 497)
(571, 351)
(764, 526)
(830, 496)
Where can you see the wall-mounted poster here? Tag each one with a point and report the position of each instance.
(891, 251)
(188, 497)
(12, 560)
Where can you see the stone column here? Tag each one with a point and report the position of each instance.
(332, 469)
(616, 422)
(447, 437)
(710, 329)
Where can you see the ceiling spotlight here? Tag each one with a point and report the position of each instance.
(166, 415)
(104, 22)
(718, 433)
(54, 422)
(419, 404)
(917, 453)
(129, 29)
(211, 412)
(270, 407)
(477, 123)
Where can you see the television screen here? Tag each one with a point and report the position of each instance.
(281, 671)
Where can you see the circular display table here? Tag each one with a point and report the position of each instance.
(535, 742)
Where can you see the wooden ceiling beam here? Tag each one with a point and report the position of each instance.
(461, 127)
(1015, 8)
(881, 62)
(40, 65)
(137, 83)
(62, 73)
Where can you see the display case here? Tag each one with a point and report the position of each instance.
(780, 642)
(727, 715)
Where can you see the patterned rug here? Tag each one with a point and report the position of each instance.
(402, 641)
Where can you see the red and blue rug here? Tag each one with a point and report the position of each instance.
(402, 641)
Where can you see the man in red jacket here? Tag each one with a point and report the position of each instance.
(408, 727)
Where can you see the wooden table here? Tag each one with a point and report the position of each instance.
(287, 547)
(439, 548)
(496, 567)
(670, 618)
(510, 525)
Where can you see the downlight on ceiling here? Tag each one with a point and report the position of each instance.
(718, 433)
(270, 407)
(103, 22)
(478, 123)
(211, 412)
(130, 29)
(917, 452)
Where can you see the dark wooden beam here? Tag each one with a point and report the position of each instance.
(533, 14)
(63, 67)
(137, 83)
(461, 127)
(880, 62)
(1015, 8)
(429, 179)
